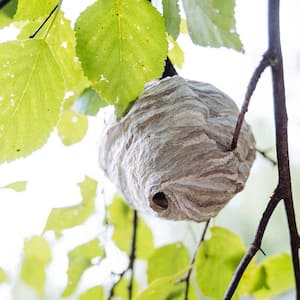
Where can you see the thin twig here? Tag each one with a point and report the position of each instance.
(186, 278)
(255, 246)
(264, 153)
(250, 90)
(44, 22)
(130, 266)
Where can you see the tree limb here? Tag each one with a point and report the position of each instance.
(283, 191)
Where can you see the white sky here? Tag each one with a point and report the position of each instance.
(54, 171)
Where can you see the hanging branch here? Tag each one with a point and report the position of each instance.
(130, 266)
(283, 191)
(186, 279)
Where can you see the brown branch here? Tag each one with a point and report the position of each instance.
(273, 58)
(132, 257)
(255, 246)
(250, 90)
(187, 277)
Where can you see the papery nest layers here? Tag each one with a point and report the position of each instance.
(170, 154)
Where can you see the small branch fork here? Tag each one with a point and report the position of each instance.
(132, 257)
(273, 59)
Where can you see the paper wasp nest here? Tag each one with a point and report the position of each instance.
(170, 154)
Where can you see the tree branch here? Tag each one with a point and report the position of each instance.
(283, 191)
(250, 89)
(186, 278)
(255, 246)
(130, 266)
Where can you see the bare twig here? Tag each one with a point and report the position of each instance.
(130, 266)
(264, 153)
(255, 246)
(186, 278)
(251, 88)
(283, 191)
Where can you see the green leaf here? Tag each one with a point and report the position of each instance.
(121, 289)
(122, 45)
(33, 9)
(212, 23)
(279, 276)
(167, 260)
(94, 293)
(37, 255)
(88, 103)
(172, 17)
(175, 54)
(31, 95)
(216, 260)
(3, 276)
(72, 127)
(18, 186)
(159, 289)
(80, 259)
(7, 13)
(61, 40)
(67, 217)
(121, 216)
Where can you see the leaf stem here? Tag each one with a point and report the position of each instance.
(55, 9)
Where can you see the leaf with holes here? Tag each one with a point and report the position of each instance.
(212, 23)
(80, 259)
(67, 217)
(72, 127)
(122, 45)
(37, 255)
(31, 96)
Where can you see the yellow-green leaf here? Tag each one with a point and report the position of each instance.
(37, 255)
(61, 40)
(167, 260)
(94, 293)
(18, 186)
(159, 289)
(121, 289)
(279, 276)
(31, 95)
(33, 9)
(176, 54)
(122, 45)
(67, 217)
(212, 23)
(80, 259)
(3, 276)
(121, 216)
(72, 127)
(216, 260)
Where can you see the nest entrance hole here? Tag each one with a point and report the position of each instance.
(159, 201)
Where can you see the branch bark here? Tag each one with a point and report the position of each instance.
(283, 191)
